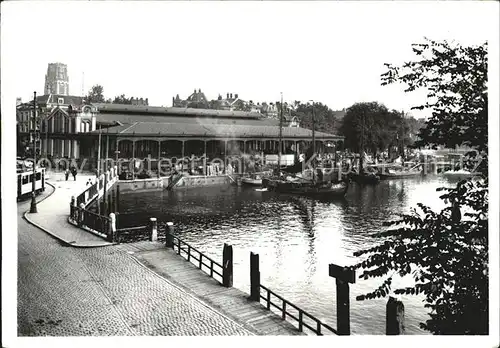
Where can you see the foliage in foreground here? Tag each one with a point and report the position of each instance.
(446, 252)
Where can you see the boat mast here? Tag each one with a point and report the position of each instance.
(314, 145)
(280, 134)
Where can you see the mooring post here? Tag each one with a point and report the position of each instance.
(169, 235)
(153, 230)
(112, 228)
(254, 277)
(82, 212)
(343, 277)
(395, 317)
(227, 265)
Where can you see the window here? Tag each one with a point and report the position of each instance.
(60, 100)
(25, 180)
(38, 176)
(31, 178)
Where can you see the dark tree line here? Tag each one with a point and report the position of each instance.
(96, 95)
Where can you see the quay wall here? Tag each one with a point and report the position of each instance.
(158, 184)
(143, 185)
(203, 181)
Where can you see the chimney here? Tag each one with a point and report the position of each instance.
(227, 96)
(231, 95)
(18, 101)
(199, 90)
(236, 96)
(194, 91)
(147, 103)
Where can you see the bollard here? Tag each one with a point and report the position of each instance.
(395, 317)
(343, 277)
(81, 215)
(169, 235)
(227, 265)
(254, 277)
(153, 230)
(112, 228)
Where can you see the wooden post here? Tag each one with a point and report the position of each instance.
(227, 265)
(112, 228)
(343, 277)
(153, 230)
(169, 235)
(395, 317)
(254, 277)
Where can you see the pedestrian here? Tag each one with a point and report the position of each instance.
(66, 174)
(73, 171)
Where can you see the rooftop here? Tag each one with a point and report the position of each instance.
(211, 129)
(172, 111)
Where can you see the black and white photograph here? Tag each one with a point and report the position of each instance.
(250, 170)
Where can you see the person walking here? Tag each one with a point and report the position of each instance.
(73, 171)
(66, 174)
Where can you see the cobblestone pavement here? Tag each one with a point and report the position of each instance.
(65, 291)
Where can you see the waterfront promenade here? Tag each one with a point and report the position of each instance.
(102, 289)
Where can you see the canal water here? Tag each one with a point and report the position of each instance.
(296, 238)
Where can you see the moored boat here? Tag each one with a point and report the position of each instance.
(459, 174)
(253, 180)
(399, 174)
(365, 178)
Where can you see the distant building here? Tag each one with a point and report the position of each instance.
(56, 79)
(139, 101)
(195, 100)
(59, 119)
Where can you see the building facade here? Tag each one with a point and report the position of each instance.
(57, 126)
(56, 79)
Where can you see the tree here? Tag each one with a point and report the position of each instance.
(373, 125)
(95, 95)
(121, 99)
(324, 118)
(446, 252)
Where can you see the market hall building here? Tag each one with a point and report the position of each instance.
(139, 131)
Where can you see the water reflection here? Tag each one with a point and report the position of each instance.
(296, 238)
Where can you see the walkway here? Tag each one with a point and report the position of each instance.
(231, 301)
(65, 291)
(52, 216)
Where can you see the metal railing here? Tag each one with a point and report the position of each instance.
(126, 233)
(299, 317)
(87, 194)
(196, 257)
(91, 220)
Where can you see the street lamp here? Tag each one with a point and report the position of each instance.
(33, 208)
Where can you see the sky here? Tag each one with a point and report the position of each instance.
(331, 52)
